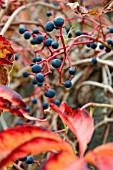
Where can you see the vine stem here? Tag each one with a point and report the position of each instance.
(8, 23)
(96, 105)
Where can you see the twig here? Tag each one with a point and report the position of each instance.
(3, 122)
(103, 122)
(17, 167)
(94, 83)
(96, 105)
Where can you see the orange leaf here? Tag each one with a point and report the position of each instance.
(11, 101)
(64, 161)
(24, 140)
(101, 157)
(80, 122)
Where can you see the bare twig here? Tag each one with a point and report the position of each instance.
(96, 105)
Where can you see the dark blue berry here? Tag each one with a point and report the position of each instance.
(72, 70)
(28, 108)
(49, 26)
(23, 159)
(34, 81)
(101, 46)
(27, 35)
(36, 68)
(67, 84)
(16, 57)
(50, 93)
(93, 45)
(35, 31)
(70, 35)
(40, 77)
(45, 105)
(56, 63)
(39, 39)
(39, 84)
(111, 29)
(49, 13)
(36, 59)
(67, 29)
(57, 102)
(25, 74)
(34, 101)
(94, 60)
(29, 160)
(78, 32)
(48, 42)
(58, 21)
(20, 123)
(88, 45)
(22, 30)
(55, 44)
(107, 50)
(33, 41)
(110, 42)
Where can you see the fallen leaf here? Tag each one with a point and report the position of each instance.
(101, 157)
(21, 141)
(79, 121)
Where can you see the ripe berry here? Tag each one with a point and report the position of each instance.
(25, 74)
(70, 35)
(34, 101)
(39, 39)
(29, 160)
(101, 46)
(50, 93)
(40, 77)
(55, 44)
(27, 35)
(93, 45)
(72, 70)
(22, 30)
(56, 63)
(35, 31)
(67, 84)
(67, 29)
(58, 21)
(45, 105)
(111, 29)
(36, 68)
(78, 32)
(107, 50)
(23, 159)
(57, 102)
(36, 59)
(16, 57)
(34, 81)
(94, 60)
(110, 42)
(88, 45)
(20, 123)
(49, 13)
(39, 84)
(49, 26)
(48, 42)
(33, 41)
(28, 108)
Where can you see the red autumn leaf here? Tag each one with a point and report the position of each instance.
(64, 161)
(101, 157)
(11, 101)
(80, 122)
(24, 140)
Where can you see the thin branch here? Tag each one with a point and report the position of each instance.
(96, 105)
(103, 122)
